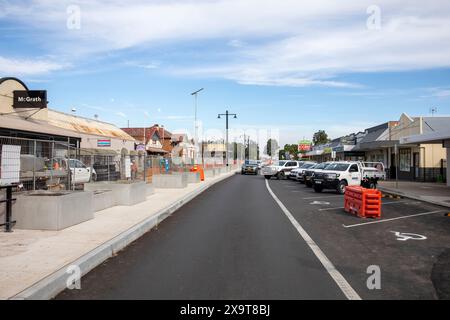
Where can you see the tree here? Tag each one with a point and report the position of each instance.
(291, 149)
(320, 137)
(271, 147)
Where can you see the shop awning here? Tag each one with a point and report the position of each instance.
(314, 153)
(431, 137)
(156, 150)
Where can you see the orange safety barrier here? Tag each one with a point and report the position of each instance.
(198, 168)
(366, 203)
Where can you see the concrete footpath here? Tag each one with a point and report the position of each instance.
(434, 193)
(34, 264)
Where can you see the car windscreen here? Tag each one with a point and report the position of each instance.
(279, 163)
(322, 166)
(337, 167)
(308, 165)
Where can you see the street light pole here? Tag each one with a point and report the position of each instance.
(195, 94)
(227, 114)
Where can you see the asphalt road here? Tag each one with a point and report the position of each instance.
(231, 242)
(234, 242)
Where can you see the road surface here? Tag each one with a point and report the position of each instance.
(231, 242)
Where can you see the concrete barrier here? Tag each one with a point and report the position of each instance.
(193, 177)
(150, 189)
(125, 193)
(168, 181)
(103, 199)
(209, 173)
(47, 210)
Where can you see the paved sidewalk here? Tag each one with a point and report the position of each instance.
(31, 259)
(435, 193)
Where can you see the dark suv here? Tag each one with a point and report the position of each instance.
(250, 167)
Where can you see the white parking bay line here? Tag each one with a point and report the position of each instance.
(346, 288)
(393, 202)
(391, 219)
(329, 195)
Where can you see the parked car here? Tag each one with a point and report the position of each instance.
(293, 173)
(250, 166)
(79, 172)
(339, 175)
(308, 176)
(301, 171)
(279, 169)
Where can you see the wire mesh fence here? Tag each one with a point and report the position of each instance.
(56, 165)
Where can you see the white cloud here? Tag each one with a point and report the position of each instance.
(289, 43)
(27, 67)
(121, 114)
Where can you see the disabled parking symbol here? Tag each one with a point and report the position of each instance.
(404, 236)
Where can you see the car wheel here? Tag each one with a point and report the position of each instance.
(372, 185)
(308, 184)
(341, 187)
(318, 188)
(267, 177)
(280, 175)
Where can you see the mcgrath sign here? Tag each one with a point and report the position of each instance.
(36, 99)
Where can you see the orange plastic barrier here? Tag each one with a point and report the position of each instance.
(198, 168)
(366, 203)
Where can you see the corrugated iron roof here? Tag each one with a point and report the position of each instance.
(138, 133)
(86, 126)
(33, 125)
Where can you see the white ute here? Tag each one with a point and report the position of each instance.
(279, 169)
(339, 175)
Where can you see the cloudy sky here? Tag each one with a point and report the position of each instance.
(297, 66)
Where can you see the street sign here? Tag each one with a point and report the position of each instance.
(304, 146)
(10, 165)
(333, 154)
(103, 142)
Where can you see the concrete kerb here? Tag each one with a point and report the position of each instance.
(413, 197)
(50, 286)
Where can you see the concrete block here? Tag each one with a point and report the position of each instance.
(168, 181)
(193, 177)
(150, 189)
(209, 173)
(47, 210)
(125, 193)
(103, 199)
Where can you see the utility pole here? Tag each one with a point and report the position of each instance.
(195, 94)
(227, 114)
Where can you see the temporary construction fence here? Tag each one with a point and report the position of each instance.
(56, 165)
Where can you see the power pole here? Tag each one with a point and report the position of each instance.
(227, 114)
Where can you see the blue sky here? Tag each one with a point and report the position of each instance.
(296, 66)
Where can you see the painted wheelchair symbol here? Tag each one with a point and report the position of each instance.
(404, 236)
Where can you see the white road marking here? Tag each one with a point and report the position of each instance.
(346, 288)
(393, 202)
(405, 236)
(331, 195)
(386, 220)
